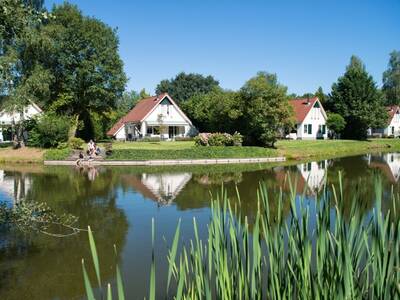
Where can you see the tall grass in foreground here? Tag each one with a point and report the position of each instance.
(353, 258)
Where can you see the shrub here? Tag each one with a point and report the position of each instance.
(49, 131)
(202, 139)
(75, 143)
(237, 139)
(218, 139)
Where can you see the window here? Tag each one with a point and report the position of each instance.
(322, 129)
(308, 128)
(153, 130)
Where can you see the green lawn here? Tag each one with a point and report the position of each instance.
(290, 149)
(333, 148)
(188, 152)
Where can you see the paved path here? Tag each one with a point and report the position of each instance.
(166, 162)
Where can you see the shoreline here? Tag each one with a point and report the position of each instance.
(289, 151)
(169, 162)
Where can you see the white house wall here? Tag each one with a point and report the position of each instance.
(121, 135)
(315, 117)
(7, 118)
(171, 116)
(395, 122)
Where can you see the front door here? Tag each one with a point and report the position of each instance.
(171, 132)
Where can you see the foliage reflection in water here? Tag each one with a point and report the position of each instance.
(119, 203)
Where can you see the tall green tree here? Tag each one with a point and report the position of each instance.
(81, 55)
(21, 81)
(321, 95)
(357, 99)
(266, 111)
(185, 86)
(391, 79)
(216, 111)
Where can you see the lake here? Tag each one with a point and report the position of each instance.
(119, 203)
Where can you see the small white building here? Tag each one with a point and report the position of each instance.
(310, 119)
(393, 124)
(157, 116)
(7, 118)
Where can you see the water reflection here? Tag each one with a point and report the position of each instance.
(119, 203)
(14, 185)
(313, 174)
(162, 188)
(388, 163)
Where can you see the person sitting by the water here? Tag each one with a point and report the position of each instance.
(91, 149)
(98, 151)
(80, 158)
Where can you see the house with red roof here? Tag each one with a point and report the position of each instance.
(156, 116)
(310, 119)
(393, 124)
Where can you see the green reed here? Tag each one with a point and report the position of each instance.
(352, 257)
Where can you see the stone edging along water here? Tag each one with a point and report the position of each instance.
(165, 162)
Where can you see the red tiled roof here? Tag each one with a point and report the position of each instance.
(141, 109)
(392, 111)
(302, 107)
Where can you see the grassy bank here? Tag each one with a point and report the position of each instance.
(318, 252)
(297, 150)
(292, 150)
(191, 153)
(23, 155)
(334, 148)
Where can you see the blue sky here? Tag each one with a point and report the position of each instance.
(306, 43)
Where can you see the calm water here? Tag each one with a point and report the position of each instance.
(119, 203)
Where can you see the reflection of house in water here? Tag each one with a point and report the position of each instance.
(388, 163)
(14, 185)
(162, 187)
(314, 173)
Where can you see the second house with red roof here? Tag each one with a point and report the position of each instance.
(154, 117)
(310, 119)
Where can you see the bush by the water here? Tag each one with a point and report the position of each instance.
(75, 143)
(49, 131)
(218, 139)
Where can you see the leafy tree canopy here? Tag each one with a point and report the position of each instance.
(335, 123)
(356, 98)
(391, 79)
(185, 86)
(216, 111)
(266, 109)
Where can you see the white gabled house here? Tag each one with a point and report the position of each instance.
(310, 119)
(157, 116)
(7, 119)
(392, 128)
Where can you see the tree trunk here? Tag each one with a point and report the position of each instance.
(74, 126)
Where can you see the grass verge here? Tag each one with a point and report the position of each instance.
(57, 154)
(191, 153)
